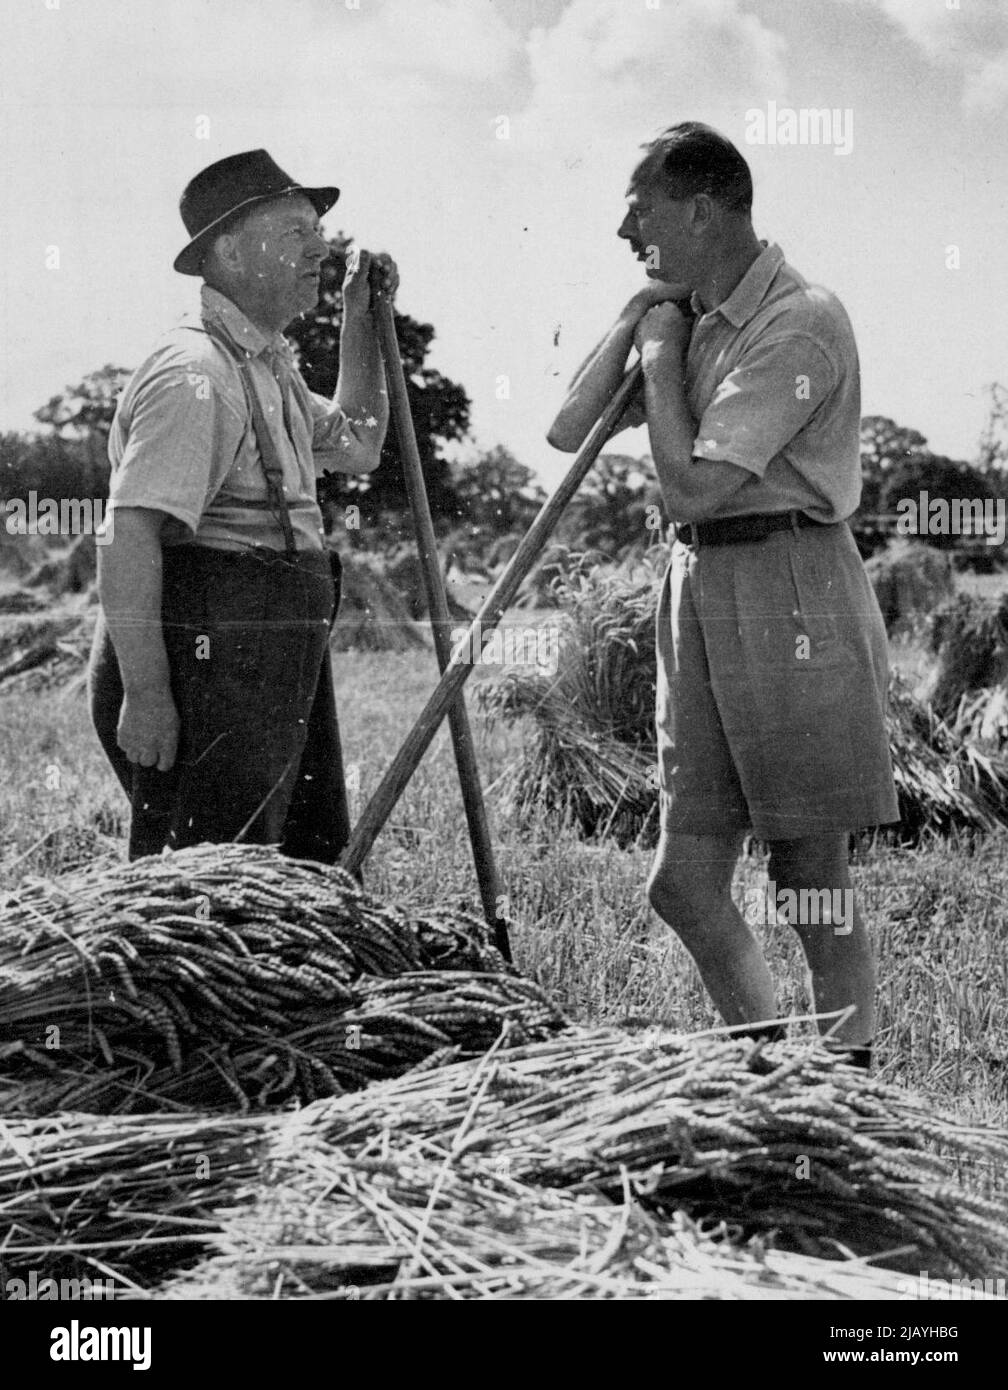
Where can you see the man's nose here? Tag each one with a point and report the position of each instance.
(625, 228)
(319, 247)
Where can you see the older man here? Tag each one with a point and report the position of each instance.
(211, 686)
(771, 649)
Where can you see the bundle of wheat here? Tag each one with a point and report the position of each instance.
(229, 972)
(718, 1126)
(127, 1196)
(17, 600)
(982, 717)
(593, 757)
(970, 637)
(373, 614)
(372, 1234)
(418, 1020)
(910, 580)
(562, 1166)
(944, 780)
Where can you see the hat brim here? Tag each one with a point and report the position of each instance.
(190, 258)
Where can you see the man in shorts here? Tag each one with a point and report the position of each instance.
(772, 659)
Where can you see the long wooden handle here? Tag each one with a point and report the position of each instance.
(440, 618)
(419, 738)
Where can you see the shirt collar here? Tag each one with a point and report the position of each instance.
(225, 314)
(751, 290)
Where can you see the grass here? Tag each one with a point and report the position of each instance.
(938, 914)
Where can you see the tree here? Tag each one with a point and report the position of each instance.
(992, 454)
(45, 464)
(82, 415)
(440, 407)
(497, 493)
(884, 445)
(939, 477)
(87, 407)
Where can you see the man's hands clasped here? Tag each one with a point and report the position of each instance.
(357, 281)
(661, 328)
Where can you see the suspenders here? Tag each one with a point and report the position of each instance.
(272, 466)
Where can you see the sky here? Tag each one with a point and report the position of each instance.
(487, 144)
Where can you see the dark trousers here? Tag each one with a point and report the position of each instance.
(259, 758)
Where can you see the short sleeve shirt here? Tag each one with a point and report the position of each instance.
(772, 378)
(182, 440)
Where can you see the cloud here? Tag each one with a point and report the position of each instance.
(969, 36)
(607, 70)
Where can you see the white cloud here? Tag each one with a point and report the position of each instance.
(970, 36)
(607, 70)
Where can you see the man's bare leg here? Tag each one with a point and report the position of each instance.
(840, 961)
(690, 889)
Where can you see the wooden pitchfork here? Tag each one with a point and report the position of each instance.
(440, 619)
(455, 670)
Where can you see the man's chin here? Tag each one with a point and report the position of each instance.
(308, 298)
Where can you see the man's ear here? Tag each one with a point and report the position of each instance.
(226, 252)
(703, 214)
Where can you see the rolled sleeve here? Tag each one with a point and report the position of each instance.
(767, 399)
(181, 433)
(331, 437)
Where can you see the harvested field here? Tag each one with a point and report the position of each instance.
(496, 1147)
(592, 755)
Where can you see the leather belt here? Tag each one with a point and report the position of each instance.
(737, 530)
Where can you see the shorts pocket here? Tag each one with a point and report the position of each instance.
(818, 599)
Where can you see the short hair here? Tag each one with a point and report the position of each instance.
(691, 158)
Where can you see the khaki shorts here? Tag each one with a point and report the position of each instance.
(771, 690)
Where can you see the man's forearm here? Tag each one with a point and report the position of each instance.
(593, 386)
(671, 427)
(360, 389)
(692, 489)
(129, 587)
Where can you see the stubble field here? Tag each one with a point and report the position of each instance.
(938, 914)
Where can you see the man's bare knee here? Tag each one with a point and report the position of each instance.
(690, 881)
(815, 861)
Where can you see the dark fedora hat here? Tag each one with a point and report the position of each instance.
(224, 188)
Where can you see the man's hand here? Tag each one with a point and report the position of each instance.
(148, 730)
(356, 281)
(654, 292)
(663, 331)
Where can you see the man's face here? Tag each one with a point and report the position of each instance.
(657, 228)
(282, 250)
